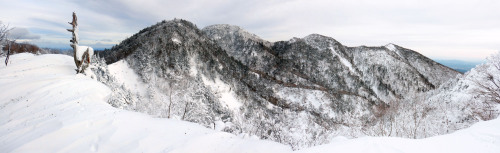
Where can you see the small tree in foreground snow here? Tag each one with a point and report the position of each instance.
(4, 31)
(82, 54)
(488, 88)
(489, 81)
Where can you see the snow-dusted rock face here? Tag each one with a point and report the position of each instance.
(301, 92)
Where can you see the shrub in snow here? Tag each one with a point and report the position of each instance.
(487, 81)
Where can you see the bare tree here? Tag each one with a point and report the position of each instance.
(82, 54)
(8, 50)
(387, 121)
(419, 112)
(489, 81)
(4, 30)
(488, 87)
(4, 33)
(186, 109)
(403, 118)
(170, 99)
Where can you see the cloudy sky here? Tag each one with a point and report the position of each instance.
(443, 29)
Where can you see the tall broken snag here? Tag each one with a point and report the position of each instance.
(82, 55)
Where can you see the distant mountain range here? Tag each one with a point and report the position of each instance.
(459, 65)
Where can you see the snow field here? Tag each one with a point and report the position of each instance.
(45, 107)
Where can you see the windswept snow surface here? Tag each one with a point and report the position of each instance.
(45, 107)
(482, 137)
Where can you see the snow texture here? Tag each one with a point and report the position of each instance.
(45, 107)
(176, 41)
(80, 50)
(122, 72)
(483, 137)
(223, 92)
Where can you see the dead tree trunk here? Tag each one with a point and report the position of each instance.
(74, 39)
(82, 55)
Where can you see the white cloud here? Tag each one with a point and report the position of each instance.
(434, 28)
(22, 33)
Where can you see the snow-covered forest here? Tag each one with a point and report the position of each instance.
(302, 92)
(45, 107)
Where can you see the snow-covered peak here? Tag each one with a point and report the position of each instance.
(391, 47)
(394, 48)
(315, 36)
(294, 39)
(320, 41)
(318, 37)
(217, 31)
(226, 27)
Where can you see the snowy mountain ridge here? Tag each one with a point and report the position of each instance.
(301, 92)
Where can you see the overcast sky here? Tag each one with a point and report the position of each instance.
(444, 29)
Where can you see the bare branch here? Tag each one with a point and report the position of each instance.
(4, 33)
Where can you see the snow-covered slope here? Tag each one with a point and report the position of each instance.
(482, 137)
(45, 107)
(122, 72)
